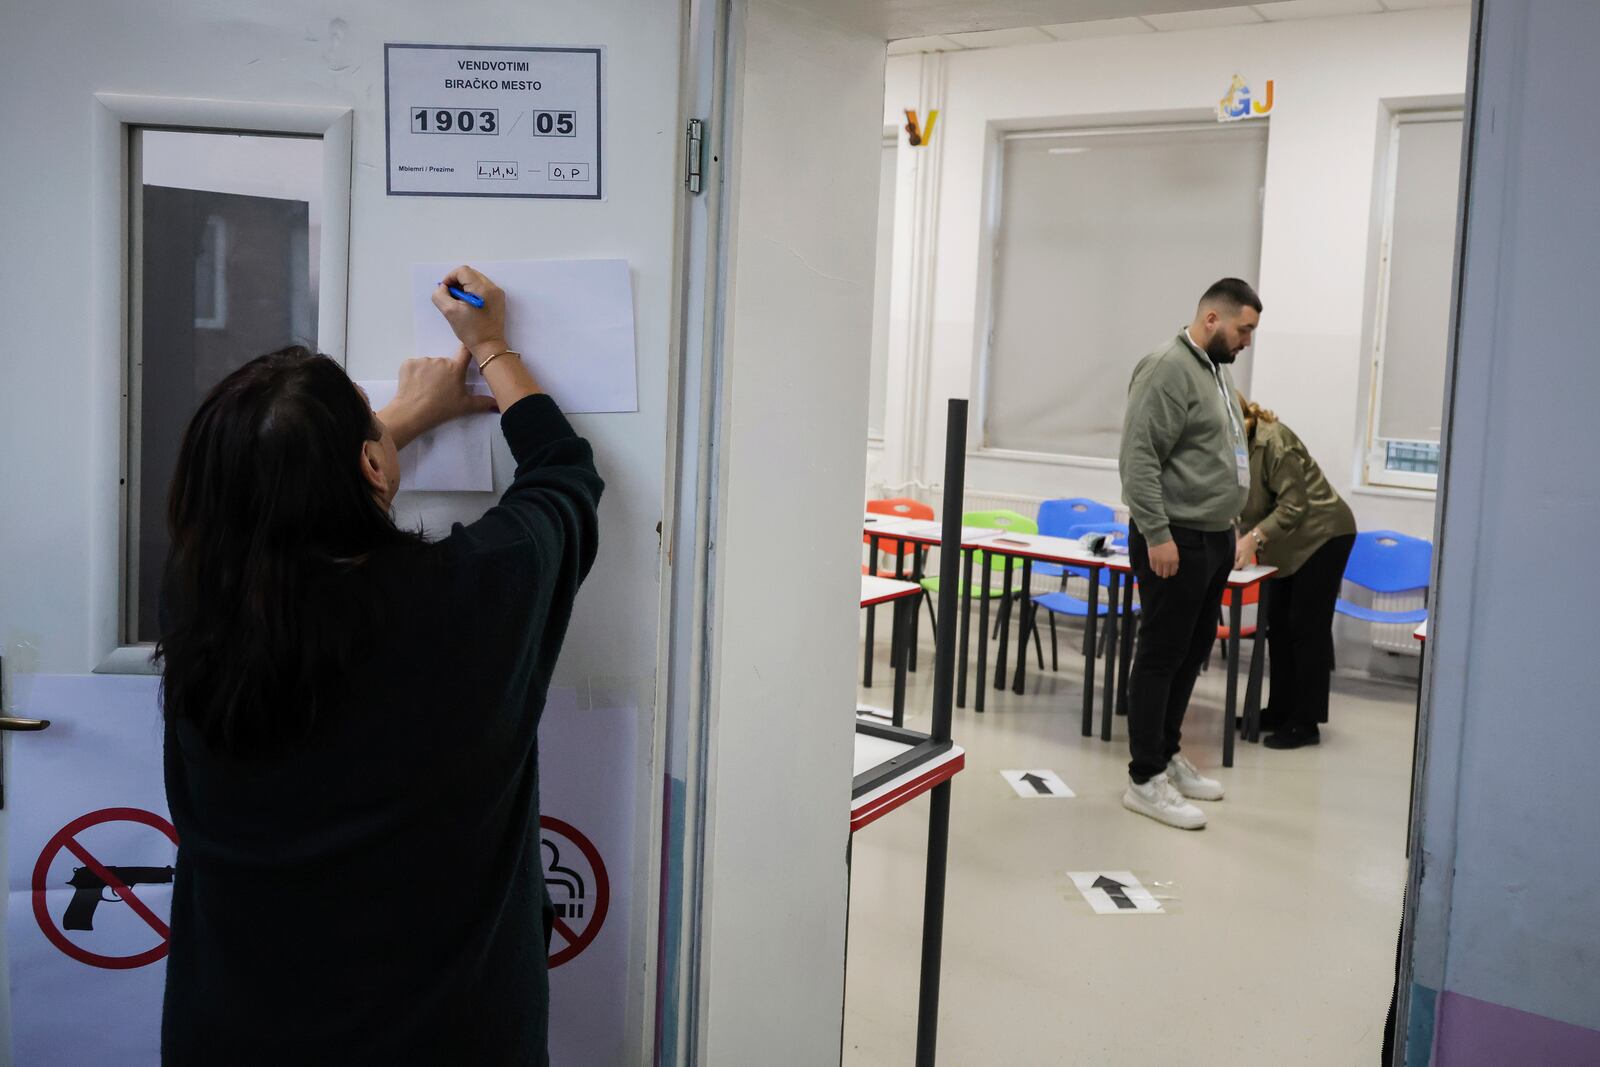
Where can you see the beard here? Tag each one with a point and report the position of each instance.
(1217, 348)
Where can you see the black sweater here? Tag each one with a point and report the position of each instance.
(375, 895)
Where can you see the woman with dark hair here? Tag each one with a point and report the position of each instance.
(352, 714)
(1295, 521)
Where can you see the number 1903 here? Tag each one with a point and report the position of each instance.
(454, 120)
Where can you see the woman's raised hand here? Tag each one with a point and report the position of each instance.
(431, 393)
(482, 330)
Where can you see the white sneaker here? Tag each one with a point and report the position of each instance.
(1190, 782)
(1158, 799)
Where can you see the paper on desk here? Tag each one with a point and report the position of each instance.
(572, 320)
(453, 458)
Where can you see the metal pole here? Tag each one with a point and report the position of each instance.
(955, 458)
(966, 625)
(933, 925)
(1229, 728)
(1091, 624)
(872, 619)
(1025, 624)
(955, 469)
(1113, 633)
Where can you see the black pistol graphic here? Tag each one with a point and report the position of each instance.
(91, 890)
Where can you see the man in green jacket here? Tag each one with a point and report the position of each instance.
(1185, 467)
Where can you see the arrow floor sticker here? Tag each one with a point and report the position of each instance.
(1036, 785)
(1115, 893)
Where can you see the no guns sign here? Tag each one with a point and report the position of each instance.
(130, 935)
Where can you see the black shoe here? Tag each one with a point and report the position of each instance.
(1272, 720)
(1294, 737)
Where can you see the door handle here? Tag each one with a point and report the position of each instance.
(11, 722)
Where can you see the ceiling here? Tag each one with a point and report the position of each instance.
(959, 25)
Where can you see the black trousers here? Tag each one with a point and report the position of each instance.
(1177, 625)
(1300, 633)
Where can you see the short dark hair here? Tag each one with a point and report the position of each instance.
(1233, 293)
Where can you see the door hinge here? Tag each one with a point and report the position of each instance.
(694, 155)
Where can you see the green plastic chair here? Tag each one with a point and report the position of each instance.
(992, 588)
(999, 519)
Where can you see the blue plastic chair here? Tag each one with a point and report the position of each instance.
(1064, 603)
(1387, 562)
(1057, 518)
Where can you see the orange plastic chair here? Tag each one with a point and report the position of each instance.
(899, 507)
(1252, 595)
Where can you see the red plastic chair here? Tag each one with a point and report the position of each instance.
(899, 507)
(904, 508)
(1252, 595)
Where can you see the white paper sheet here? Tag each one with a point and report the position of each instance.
(572, 320)
(453, 458)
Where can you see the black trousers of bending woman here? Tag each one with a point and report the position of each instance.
(1300, 634)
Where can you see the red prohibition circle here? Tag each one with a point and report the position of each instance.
(602, 891)
(41, 870)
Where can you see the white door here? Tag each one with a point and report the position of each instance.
(71, 491)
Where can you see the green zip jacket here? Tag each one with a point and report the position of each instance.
(1179, 436)
(1290, 500)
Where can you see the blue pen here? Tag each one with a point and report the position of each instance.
(463, 295)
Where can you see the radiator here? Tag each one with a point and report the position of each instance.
(1399, 638)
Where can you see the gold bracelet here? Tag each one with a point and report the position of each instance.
(497, 355)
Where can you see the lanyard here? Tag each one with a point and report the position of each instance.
(1229, 404)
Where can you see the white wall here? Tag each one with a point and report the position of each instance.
(803, 193)
(1332, 77)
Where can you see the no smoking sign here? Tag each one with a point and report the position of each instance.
(575, 877)
(99, 893)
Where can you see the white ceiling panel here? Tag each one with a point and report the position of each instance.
(914, 45)
(1316, 9)
(1077, 31)
(901, 19)
(1204, 20)
(1000, 38)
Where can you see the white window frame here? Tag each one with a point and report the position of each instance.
(115, 313)
(989, 256)
(875, 441)
(1375, 471)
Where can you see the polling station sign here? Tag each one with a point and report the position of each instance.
(494, 121)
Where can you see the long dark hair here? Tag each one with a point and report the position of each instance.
(263, 608)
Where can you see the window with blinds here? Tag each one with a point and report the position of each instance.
(1414, 282)
(1104, 240)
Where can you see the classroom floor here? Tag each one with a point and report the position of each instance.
(1277, 943)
